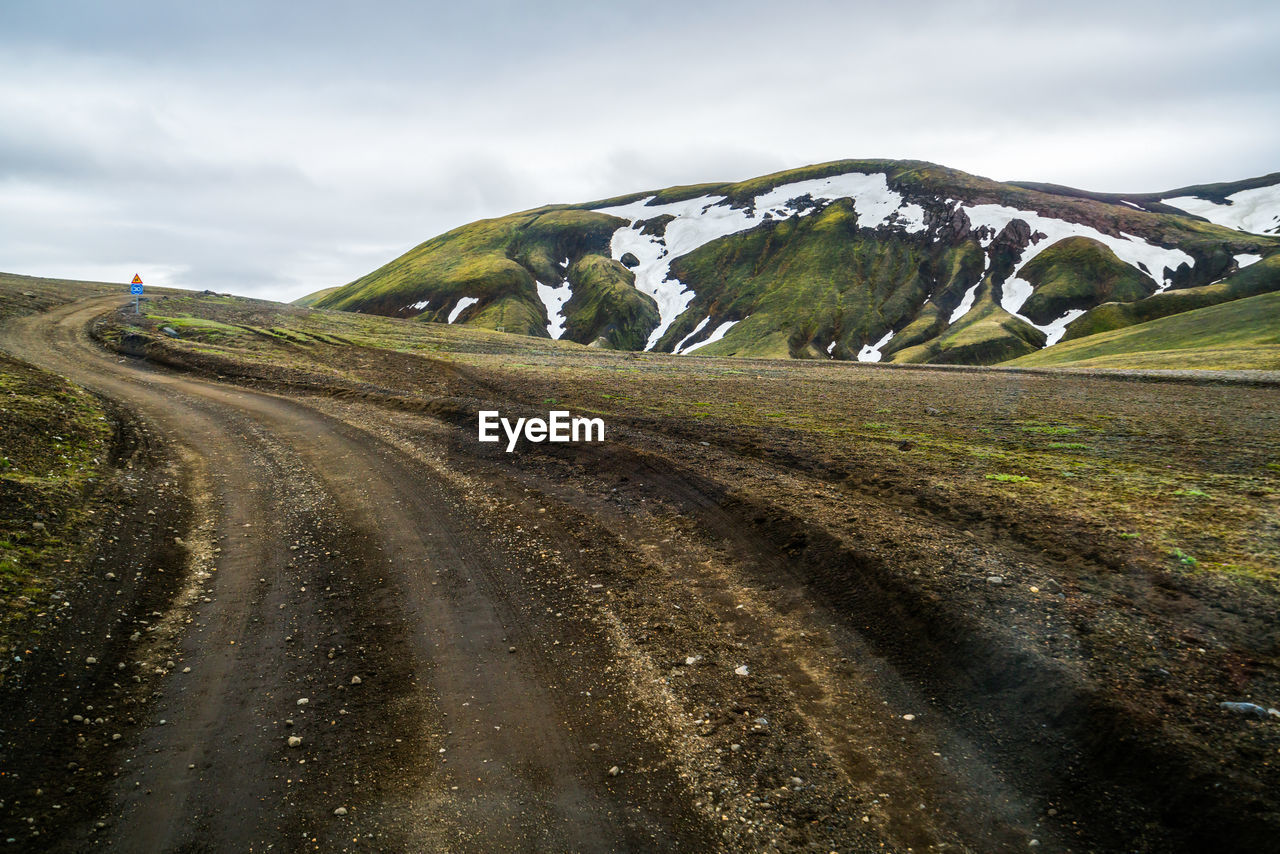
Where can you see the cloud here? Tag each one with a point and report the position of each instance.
(241, 146)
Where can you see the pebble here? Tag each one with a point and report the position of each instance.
(91, 660)
(741, 670)
(302, 701)
(1251, 709)
(995, 580)
(908, 717)
(615, 771)
(355, 680)
(340, 811)
(295, 741)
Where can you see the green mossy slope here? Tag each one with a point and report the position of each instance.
(1236, 335)
(987, 334)
(1079, 273)
(1258, 278)
(495, 261)
(605, 309)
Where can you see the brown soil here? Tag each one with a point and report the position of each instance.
(339, 519)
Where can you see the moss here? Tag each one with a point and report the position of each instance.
(605, 306)
(1078, 273)
(1259, 278)
(987, 334)
(810, 281)
(1240, 334)
(55, 437)
(495, 261)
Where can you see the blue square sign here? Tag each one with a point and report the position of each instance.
(135, 289)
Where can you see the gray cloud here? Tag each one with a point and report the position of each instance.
(276, 148)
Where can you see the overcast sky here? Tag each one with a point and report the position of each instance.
(271, 149)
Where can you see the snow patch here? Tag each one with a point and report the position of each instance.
(706, 218)
(966, 303)
(1243, 261)
(1132, 250)
(1054, 331)
(695, 331)
(417, 306)
(831, 347)
(554, 299)
(463, 305)
(714, 336)
(1132, 205)
(1256, 211)
(871, 352)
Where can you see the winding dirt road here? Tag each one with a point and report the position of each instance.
(330, 558)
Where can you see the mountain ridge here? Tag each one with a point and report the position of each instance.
(906, 261)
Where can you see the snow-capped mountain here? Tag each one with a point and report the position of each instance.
(895, 260)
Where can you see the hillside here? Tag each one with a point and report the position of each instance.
(901, 261)
(1241, 334)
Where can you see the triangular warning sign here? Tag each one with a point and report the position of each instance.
(137, 280)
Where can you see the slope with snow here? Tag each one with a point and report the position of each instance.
(462, 305)
(706, 218)
(1155, 261)
(716, 335)
(553, 299)
(1256, 211)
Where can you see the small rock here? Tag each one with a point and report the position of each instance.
(908, 717)
(615, 771)
(1052, 586)
(741, 670)
(295, 741)
(111, 576)
(355, 680)
(511, 649)
(995, 580)
(91, 660)
(692, 660)
(340, 811)
(302, 701)
(1251, 709)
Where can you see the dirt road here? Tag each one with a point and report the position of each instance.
(387, 637)
(330, 558)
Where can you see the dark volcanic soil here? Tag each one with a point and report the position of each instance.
(699, 635)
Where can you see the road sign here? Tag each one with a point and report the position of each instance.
(135, 288)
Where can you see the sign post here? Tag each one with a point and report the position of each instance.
(135, 288)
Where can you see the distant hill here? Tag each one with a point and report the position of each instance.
(312, 299)
(1236, 335)
(901, 261)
